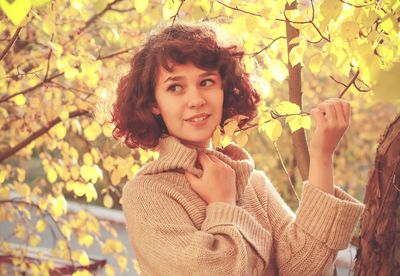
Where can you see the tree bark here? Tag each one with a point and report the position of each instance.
(379, 251)
(299, 141)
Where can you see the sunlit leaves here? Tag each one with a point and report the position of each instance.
(112, 246)
(20, 99)
(40, 225)
(92, 131)
(278, 69)
(170, 8)
(81, 256)
(273, 129)
(331, 9)
(51, 175)
(297, 53)
(108, 201)
(16, 10)
(141, 5)
(387, 86)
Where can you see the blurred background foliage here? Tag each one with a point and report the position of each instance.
(60, 62)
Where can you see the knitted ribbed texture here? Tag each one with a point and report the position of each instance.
(174, 232)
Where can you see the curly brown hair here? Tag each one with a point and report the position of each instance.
(134, 123)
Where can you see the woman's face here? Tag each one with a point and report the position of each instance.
(185, 94)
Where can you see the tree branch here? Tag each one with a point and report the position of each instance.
(349, 84)
(10, 44)
(177, 12)
(266, 47)
(9, 152)
(45, 212)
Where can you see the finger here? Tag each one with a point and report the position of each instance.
(191, 178)
(337, 104)
(215, 159)
(329, 111)
(204, 160)
(317, 116)
(347, 111)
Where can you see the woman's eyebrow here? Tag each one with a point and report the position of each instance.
(202, 75)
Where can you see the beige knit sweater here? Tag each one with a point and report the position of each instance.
(174, 232)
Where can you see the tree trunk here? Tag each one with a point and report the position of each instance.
(299, 141)
(379, 251)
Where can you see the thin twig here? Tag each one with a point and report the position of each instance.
(10, 44)
(349, 84)
(238, 9)
(284, 168)
(266, 47)
(20, 201)
(177, 12)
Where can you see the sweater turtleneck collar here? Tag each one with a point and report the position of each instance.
(175, 156)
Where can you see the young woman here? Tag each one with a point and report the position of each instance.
(203, 211)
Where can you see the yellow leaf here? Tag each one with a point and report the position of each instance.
(294, 122)
(71, 73)
(109, 270)
(141, 5)
(2, 176)
(230, 127)
(16, 11)
(286, 107)
(88, 173)
(4, 192)
(296, 54)
(64, 115)
(22, 189)
(87, 159)
(306, 122)
(136, 266)
(108, 163)
(116, 177)
(226, 140)
(112, 246)
(273, 129)
(170, 8)
(79, 189)
(40, 226)
(21, 174)
(92, 131)
(107, 130)
(34, 240)
(315, 63)
(81, 256)
(108, 201)
(49, 26)
(122, 262)
(331, 9)
(216, 138)
(39, 3)
(60, 131)
(20, 100)
(349, 29)
(278, 70)
(85, 239)
(241, 139)
(387, 85)
(51, 175)
(90, 192)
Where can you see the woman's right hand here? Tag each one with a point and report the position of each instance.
(218, 182)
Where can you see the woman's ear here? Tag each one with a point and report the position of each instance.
(155, 109)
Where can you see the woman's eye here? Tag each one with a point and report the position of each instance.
(207, 82)
(174, 88)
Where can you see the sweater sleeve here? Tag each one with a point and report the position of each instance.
(307, 242)
(166, 242)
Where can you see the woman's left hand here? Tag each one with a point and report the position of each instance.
(332, 118)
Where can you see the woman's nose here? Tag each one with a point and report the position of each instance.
(196, 99)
